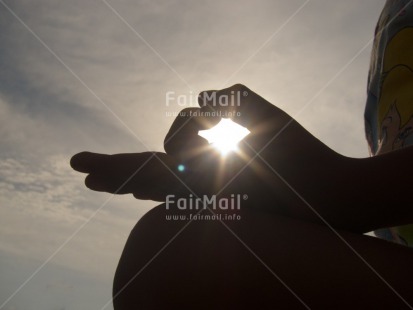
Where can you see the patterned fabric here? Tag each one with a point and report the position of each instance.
(389, 109)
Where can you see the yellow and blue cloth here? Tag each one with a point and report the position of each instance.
(389, 108)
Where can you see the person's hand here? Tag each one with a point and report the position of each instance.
(277, 160)
(280, 166)
(148, 176)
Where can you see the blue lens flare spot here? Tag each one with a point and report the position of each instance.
(181, 168)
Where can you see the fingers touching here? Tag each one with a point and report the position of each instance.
(155, 175)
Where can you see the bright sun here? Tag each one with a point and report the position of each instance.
(225, 135)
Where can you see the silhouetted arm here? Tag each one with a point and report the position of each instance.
(281, 167)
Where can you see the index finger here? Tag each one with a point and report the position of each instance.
(245, 107)
(117, 164)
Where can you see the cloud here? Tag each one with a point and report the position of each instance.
(49, 188)
(48, 114)
(205, 44)
(55, 288)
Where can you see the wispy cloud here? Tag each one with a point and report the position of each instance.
(47, 115)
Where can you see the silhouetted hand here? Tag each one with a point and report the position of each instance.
(277, 165)
(280, 166)
(242, 172)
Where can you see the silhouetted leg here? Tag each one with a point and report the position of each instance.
(205, 266)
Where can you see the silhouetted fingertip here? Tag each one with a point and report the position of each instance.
(95, 183)
(78, 161)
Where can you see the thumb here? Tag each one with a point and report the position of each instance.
(183, 140)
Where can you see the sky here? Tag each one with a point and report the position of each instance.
(93, 75)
